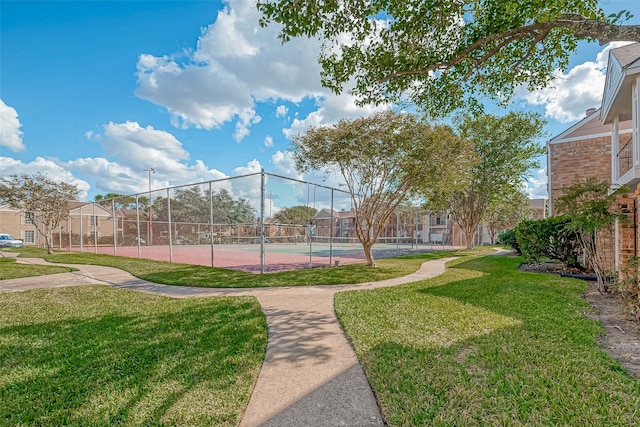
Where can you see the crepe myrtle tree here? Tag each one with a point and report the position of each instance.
(591, 206)
(381, 159)
(43, 201)
(504, 211)
(506, 149)
(442, 54)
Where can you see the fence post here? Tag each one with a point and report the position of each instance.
(115, 226)
(169, 221)
(95, 227)
(310, 229)
(138, 224)
(81, 232)
(397, 229)
(330, 232)
(262, 184)
(211, 219)
(416, 238)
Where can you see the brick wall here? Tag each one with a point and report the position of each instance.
(573, 160)
(591, 157)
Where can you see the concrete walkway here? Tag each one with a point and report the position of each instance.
(310, 375)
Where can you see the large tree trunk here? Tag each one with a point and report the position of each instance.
(367, 248)
(469, 233)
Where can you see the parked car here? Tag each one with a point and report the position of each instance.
(7, 241)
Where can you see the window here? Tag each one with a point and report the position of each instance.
(29, 236)
(27, 220)
(93, 220)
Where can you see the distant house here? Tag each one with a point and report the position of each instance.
(430, 228)
(538, 208)
(18, 225)
(334, 223)
(91, 220)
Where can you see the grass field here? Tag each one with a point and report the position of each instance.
(9, 269)
(211, 277)
(95, 355)
(485, 344)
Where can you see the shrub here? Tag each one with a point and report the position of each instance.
(548, 238)
(509, 238)
(533, 239)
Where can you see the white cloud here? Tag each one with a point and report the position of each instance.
(10, 133)
(135, 148)
(331, 109)
(314, 119)
(142, 147)
(268, 141)
(237, 64)
(53, 170)
(281, 111)
(285, 165)
(537, 185)
(570, 94)
(249, 187)
(247, 117)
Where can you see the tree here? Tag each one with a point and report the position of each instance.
(227, 210)
(505, 149)
(120, 201)
(589, 203)
(295, 215)
(190, 205)
(42, 201)
(505, 210)
(193, 205)
(443, 54)
(381, 159)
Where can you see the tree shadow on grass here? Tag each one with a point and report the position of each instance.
(546, 369)
(192, 362)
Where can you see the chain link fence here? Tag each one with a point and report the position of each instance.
(257, 222)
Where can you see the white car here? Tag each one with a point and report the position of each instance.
(7, 241)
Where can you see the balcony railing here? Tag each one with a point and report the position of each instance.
(625, 157)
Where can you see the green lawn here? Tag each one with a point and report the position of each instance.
(211, 277)
(486, 344)
(9, 269)
(96, 355)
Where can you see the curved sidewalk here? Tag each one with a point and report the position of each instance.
(310, 375)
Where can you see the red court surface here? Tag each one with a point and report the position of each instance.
(232, 259)
(276, 258)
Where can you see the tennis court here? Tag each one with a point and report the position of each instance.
(234, 223)
(277, 257)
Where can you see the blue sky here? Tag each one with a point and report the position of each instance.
(95, 92)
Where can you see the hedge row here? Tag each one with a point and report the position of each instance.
(549, 238)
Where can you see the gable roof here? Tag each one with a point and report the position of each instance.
(589, 127)
(627, 55)
(327, 213)
(87, 209)
(623, 67)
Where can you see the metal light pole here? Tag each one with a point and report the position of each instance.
(149, 234)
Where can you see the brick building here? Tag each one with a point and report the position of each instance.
(606, 145)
